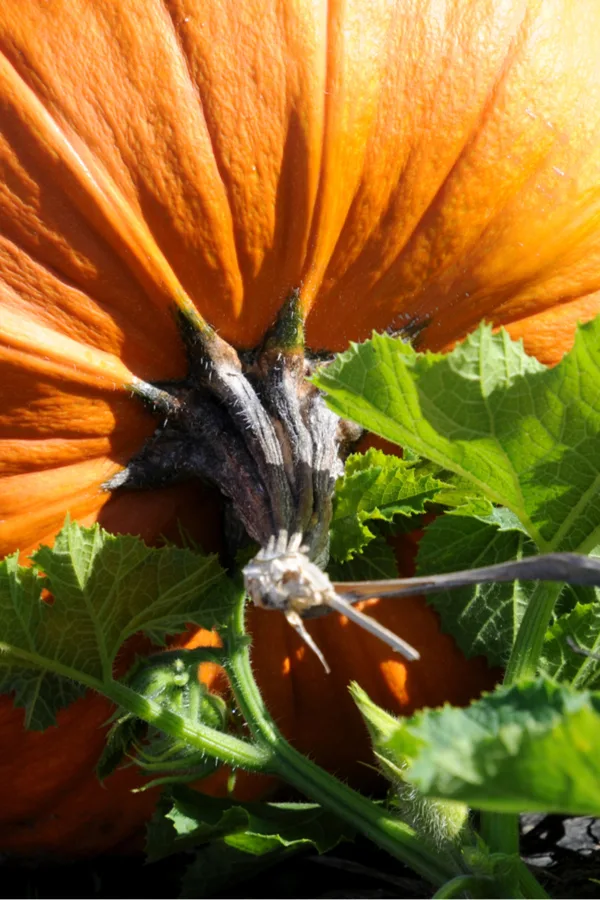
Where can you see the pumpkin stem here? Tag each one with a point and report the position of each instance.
(281, 576)
(261, 432)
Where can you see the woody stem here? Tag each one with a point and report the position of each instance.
(253, 426)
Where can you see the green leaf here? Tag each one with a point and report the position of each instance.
(255, 828)
(525, 436)
(375, 487)
(104, 589)
(560, 661)
(438, 822)
(461, 497)
(123, 734)
(499, 516)
(483, 619)
(170, 679)
(532, 747)
(41, 694)
(376, 562)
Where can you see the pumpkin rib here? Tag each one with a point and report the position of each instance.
(348, 111)
(196, 90)
(477, 125)
(401, 285)
(36, 293)
(100, 202)
(507, 311)
(42, 350)
(60, 304)
(354, 252)
(421, 216)
(267, 277)
(32, 456)
(395, 160)
(487, 227)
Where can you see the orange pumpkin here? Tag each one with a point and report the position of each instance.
(420, 165)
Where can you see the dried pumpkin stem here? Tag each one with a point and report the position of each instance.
(257, 429)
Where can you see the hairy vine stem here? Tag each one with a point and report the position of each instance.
(387, 831)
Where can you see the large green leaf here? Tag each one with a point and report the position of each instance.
(483, 618)
(532, 747)
(525, 436)
(104, 588)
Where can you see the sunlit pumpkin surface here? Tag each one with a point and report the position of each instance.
(407, 163)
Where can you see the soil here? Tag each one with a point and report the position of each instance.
(562, 851)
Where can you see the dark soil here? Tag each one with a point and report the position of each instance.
(562, 852)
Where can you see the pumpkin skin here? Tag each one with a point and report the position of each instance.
(406, 163)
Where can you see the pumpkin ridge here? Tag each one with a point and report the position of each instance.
(325, 213)
(110, 215)
(196, 90)
(99, 320)
(43, 348)
(416, 314)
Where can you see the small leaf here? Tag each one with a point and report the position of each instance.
(104, 588)
(560, 661)
(256, 828)
(376, 487)
(376, 562)
(531, 747)
(41, 694)
(499, 516)
(483, 619)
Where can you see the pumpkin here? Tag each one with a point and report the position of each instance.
(409, 164)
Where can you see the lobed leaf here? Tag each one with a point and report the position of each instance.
(532, 747)
(103, 589)
(187, 818)
(527, 437)
(376, 487)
